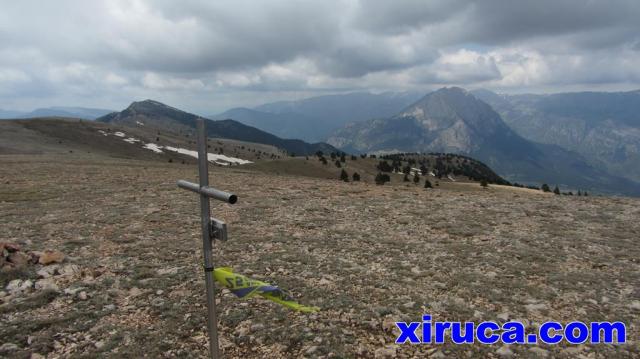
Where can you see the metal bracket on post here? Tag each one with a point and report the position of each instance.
(211, 228)
(218, 230)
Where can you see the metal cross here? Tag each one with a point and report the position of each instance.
(211, 229)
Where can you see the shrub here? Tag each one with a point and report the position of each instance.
(384, 166)
(382, 178)
(344, 176)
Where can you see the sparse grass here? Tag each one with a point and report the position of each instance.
(24, 195)
(8, 275)
(35, 300)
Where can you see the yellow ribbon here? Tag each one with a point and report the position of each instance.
(245, 287)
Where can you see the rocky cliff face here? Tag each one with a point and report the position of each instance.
(450, 119)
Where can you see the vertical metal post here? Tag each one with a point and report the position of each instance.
(207, 249)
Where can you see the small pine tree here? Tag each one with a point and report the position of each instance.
(579, 193)
(416, 178)
(342, 159)
(427, 184)
(384, 166)
(484, 183)
(585, 194)
(356, 177)
(344, 176)
(378, 179)
(323, 160)
(406, 178)
(556, 190)
(337, 163)
(382, 178)
(545, 188)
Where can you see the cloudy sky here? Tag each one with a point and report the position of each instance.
(207, 56)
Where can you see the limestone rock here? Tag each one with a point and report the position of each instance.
(504, 351)
(385, 353)
(539, 352)
(46, 284)
(47, 271)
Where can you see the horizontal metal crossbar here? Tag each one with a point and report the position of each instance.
(209, 192)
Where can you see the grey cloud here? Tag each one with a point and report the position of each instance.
(395, 17)
(73, 49)
(496, 22)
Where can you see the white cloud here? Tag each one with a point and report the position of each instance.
(156, 81)
(208, 55)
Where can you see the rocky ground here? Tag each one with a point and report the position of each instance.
(129, 280)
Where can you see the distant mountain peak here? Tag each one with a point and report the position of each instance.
(149, 104)
(456, 109)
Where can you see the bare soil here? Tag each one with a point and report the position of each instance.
(367, 255)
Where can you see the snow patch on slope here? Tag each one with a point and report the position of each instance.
(153, 147)
(212, 157)
(131, 140)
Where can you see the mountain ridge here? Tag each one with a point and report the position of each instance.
(314, 118)
(159, 115)
(86, 113)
